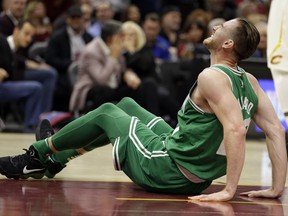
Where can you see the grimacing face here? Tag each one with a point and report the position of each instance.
(220, 34)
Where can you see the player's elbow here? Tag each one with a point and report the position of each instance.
(237, 131)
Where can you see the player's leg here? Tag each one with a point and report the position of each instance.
(107, 119)
(155, 123)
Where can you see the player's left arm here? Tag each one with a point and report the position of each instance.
(216, 89)
(266, 118)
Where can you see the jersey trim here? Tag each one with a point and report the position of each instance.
(238, 72)
(153, 122)
(115, 154)
(221, 71)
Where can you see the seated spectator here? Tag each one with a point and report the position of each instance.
(199, 15)
(141, 65)
(87, 11)
(104, 12)
(103, 76)
(36, 13)
(55, 8)
(225, 9)
(100, 68)
(262, 46)
(14, 87)
(11, 17)
(132, 13)
(33, 70)
(171, 24)
(160, 46)
(4, 6)
(247, 8)
(194, 32)
(64, 47)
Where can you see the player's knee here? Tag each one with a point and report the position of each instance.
(107, 107)
(126, 102)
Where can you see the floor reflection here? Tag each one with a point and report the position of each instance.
(120, 198)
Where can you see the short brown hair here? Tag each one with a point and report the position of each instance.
(246, 38)
(152, 17)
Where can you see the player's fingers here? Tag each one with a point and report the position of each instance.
(196, 197)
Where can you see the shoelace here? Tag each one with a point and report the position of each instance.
(24, 157)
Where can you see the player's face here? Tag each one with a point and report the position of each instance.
(220, 34)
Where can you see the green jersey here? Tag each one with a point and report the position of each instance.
(196, 143)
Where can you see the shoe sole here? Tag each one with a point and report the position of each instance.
(17, 177)
(44, 124)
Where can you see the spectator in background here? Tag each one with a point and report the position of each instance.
(118, 6)
(140, 63)
(12, 16)
(249, 10)
(87, 11)
(13, 86)
(55, 8)
(132, 13)
(170, 24)
(170, 28)
(104, 12)
(261, 50)
(36, 13)
(225, 9)
(100, 69)
(194, 32)
(199, 15)
(64, 48)
(160, 46)
(32, 70)
(4, 6)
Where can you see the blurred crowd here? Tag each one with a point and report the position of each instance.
(74, 55)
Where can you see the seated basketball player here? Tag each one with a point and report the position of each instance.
(207, 143)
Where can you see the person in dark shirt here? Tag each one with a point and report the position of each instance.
(13, 88)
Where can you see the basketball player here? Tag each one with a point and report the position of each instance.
(277, 50)
(208, 142)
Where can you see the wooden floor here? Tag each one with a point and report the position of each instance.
(90, 186)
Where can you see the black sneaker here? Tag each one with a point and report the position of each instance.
(44, 130)
(22, 166)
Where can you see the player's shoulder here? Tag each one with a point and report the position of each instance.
(212, 75)
(252, 78)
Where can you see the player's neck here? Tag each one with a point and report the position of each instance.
(223, 60)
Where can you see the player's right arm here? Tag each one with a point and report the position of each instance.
(266, 118)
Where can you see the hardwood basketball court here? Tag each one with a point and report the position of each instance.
(90, 186)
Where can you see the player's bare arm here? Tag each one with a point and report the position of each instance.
(266, 118)
(215, 89)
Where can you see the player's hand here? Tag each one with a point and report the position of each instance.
(219, 196)
(268, 193)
